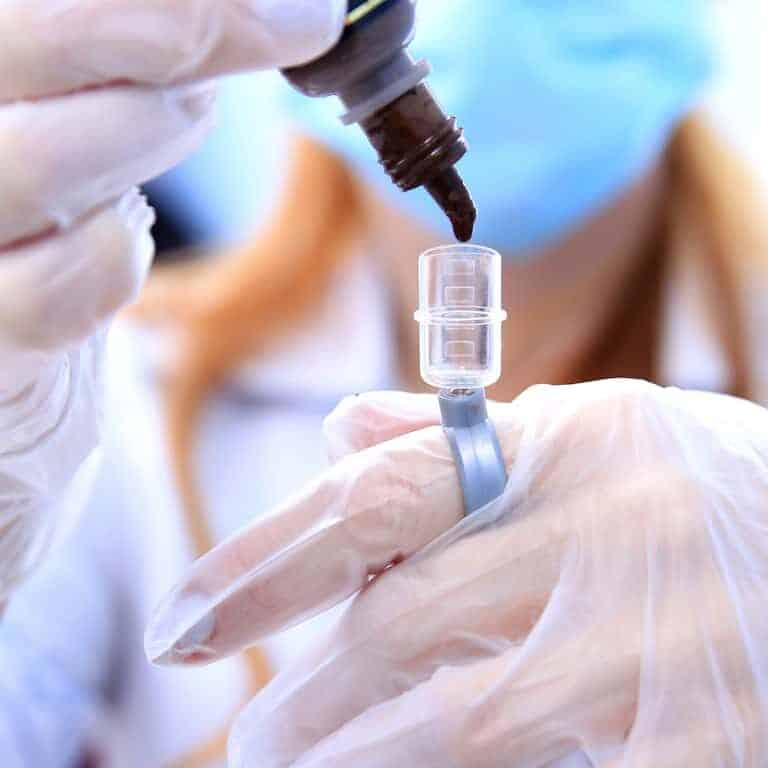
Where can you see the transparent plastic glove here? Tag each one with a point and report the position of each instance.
(609, 610)
(96, 97)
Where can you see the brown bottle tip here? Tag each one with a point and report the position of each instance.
(451, 194)
(464, 225)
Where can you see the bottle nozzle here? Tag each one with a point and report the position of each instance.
(451, 194)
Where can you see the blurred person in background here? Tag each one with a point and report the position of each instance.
(633, 241)
(622, 260)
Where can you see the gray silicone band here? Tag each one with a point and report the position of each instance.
(475, 447)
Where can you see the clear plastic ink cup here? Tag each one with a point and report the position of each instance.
(460, 317)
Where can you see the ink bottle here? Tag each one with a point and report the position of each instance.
(383, 90)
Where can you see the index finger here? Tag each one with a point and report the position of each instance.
(369, 511)
(54, 48)
(321, 546)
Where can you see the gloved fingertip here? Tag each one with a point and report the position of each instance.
(362, 421)
(181, 630)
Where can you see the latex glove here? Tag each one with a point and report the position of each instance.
(608, 610)
(90, 106)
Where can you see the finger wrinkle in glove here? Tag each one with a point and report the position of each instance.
(29, 418)
(68, 432)
(23, 537)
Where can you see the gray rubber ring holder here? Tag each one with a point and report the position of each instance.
(475, 447)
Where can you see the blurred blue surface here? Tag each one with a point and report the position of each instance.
(222, 192)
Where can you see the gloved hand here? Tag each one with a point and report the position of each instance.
(90, 106)
(608, 610)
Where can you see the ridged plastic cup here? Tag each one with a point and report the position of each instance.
(460, 317)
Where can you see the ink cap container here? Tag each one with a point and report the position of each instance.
(460, 316)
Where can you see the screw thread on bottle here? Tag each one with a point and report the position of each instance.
(419, 145)
(415, 139)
